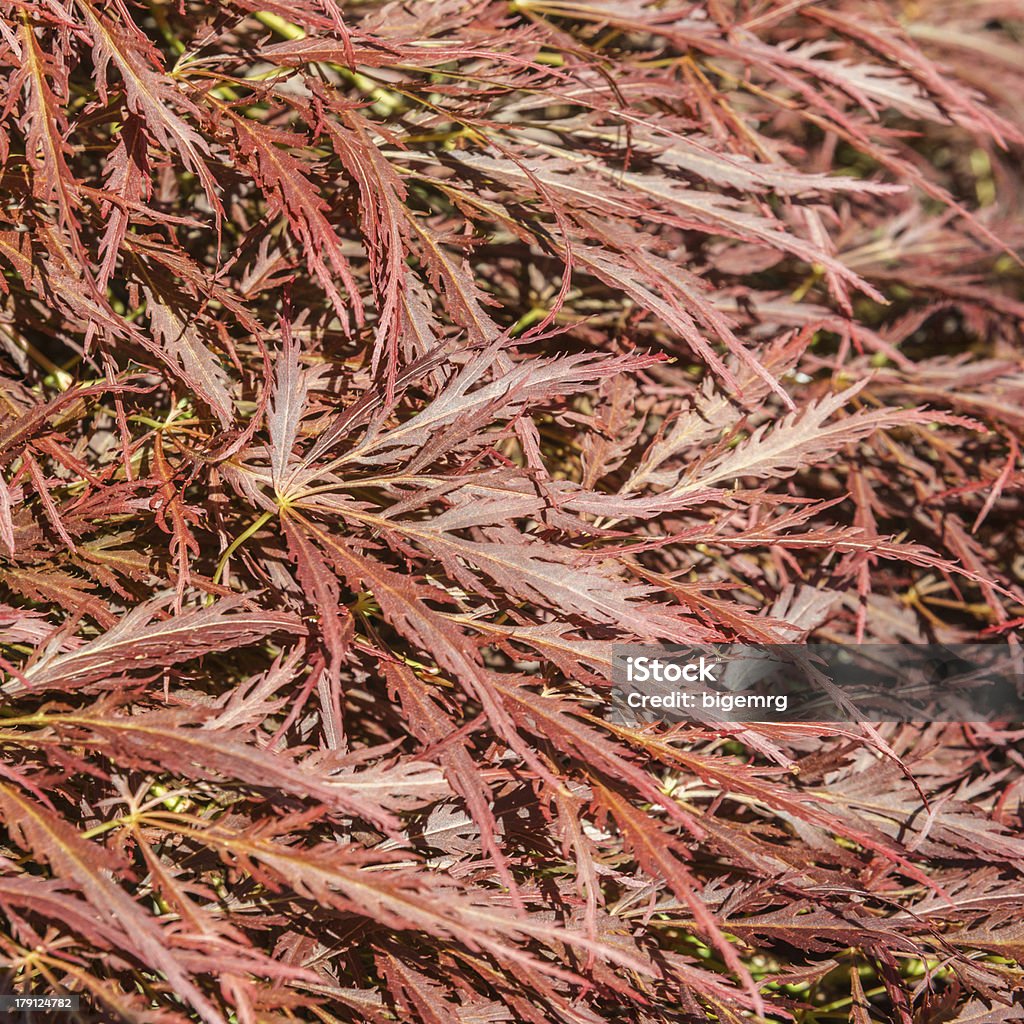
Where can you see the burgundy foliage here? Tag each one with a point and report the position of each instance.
(367, 369)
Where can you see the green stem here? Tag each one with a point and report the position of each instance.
(278, 24)
(238, 542)
(385, 102)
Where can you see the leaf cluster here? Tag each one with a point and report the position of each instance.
(368, 370)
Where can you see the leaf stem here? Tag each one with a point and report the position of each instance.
(279, 25)
(385, 102)
(238, 542)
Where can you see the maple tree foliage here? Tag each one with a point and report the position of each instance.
(367, 370)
